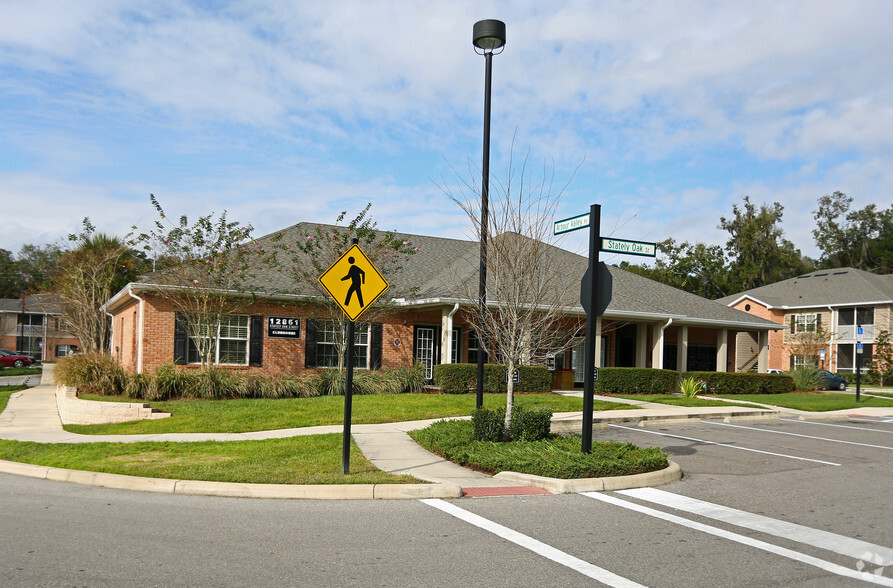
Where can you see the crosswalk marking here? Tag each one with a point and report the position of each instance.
(743, 539)
(841, 544)
(538, 547)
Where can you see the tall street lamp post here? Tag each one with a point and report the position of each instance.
(488, 39)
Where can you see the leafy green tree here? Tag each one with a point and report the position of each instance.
(694, 267)
(759, 254)
(882, 358)
(308, 258)
(86, 276)
(862, 239)
(36, 264)
(11, 283)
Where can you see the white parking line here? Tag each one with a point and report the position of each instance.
(869, 429)
(578, 565)
(744, 540)
(833, 542)
(799, 435)
(726, 445)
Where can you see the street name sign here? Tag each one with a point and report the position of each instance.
(629, 247)
(572, 224)
(353, 282)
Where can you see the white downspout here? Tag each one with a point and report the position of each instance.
(111, 335)
(832, 351)
(139, 345)
(447, 336)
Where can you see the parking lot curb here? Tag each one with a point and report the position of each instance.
(670, 474)
(234, 490)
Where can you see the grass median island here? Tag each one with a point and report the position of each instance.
(812, 401)
(559, 457)
(261, 414)
(314, 459)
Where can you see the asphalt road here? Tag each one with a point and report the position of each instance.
(763, 504)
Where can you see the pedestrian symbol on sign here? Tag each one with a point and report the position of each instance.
(357, 278)
(353, 282)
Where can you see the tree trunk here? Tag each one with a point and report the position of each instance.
(509, 396)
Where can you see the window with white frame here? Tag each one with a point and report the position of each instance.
(806, 361)
(329, 337)
(805, 323)
(228, 342)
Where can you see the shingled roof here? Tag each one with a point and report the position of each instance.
(844, 286)
(437, 273)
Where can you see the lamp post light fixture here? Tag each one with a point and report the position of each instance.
(488, 39)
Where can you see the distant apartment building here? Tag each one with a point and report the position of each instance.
(823, 312)
(33, 325)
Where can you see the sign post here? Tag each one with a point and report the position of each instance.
(595, 295)
(859, 334)
(354, 283)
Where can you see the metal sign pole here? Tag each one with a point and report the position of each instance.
(348, 396)
(595, 212)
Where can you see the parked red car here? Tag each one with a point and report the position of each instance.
(13, 359)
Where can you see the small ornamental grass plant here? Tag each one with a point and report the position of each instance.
(97, 373)
(805, 379)
(691, 387)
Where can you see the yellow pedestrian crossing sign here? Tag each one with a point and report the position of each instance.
(353, 282)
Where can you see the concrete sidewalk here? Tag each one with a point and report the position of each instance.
(32, 415)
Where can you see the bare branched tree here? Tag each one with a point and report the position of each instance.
(533, 286)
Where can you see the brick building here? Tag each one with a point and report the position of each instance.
(822, 312)
(33, 325)
(646, 324)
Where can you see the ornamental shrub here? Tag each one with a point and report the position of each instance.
(530, 424)
(460, 378)
(619, 380)
(744, 382)
(488, 425)
(91, 373)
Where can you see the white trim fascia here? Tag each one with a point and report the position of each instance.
(837, 305)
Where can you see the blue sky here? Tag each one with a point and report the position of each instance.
(289, 111)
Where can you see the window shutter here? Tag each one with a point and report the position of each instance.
(256, 340)
(180, 338)
(310, 345)
(818, 322)
(793, 325)
(375, 347)
(792, 362)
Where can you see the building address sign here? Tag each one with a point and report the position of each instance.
(283, 327)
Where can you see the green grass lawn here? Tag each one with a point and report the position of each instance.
(6, 392)
(314, 459)
(27, 371)
(244, 415)
(815, 402)
(677, 400)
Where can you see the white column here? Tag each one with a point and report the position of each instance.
(722, 349)
(681, 348)
(641, 345)
(598, 342)
(763, 360)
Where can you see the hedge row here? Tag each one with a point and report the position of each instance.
(744, 383)
(459, 378)
(619, 380)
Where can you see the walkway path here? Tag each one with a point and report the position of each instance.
(32, 415)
